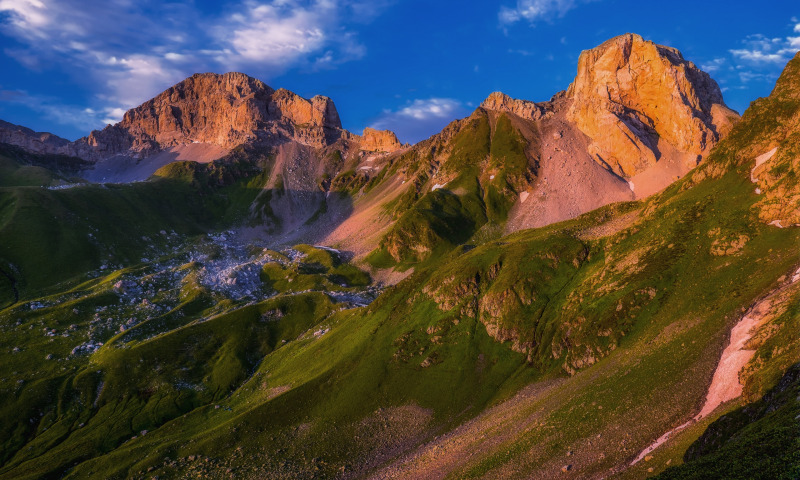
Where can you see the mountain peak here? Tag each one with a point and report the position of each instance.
(379, 141)
(501, 102)
(222, 110)
(636, 99)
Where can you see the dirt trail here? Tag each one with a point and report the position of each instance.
(726, 385)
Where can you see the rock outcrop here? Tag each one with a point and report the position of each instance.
(630, 95)
(35, 142)
(501, 102)
(384, 141)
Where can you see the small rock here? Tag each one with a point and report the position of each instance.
(648, 458)
(566, 468)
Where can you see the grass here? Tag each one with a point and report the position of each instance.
(432, 223)
(48, 237)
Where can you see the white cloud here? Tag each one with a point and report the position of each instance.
(757, 56)
(534, 11)
(420, 118)
(714, 65)
(797, 28)
(760, 50)
(277, 33)
(74, 115)
(430, 108)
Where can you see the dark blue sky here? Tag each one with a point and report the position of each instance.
(69, 66)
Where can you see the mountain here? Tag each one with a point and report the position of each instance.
(637, 117)
(34, 142)
(515, 164)
(642, 104)
(177, 327)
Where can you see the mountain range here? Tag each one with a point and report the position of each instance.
(229, 284)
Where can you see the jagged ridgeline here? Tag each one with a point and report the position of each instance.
(557, 283)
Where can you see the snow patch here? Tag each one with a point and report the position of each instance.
(437, 187)
(491, 177)
(659, 442)
(523, 196)
(760, 160)
(631, 186)
(776, 223)
(796, 276)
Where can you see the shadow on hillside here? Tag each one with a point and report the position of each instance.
(288, 217)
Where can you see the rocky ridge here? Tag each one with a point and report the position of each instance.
(219, 110)
(35, 142)
(225, 110)
(379, 141)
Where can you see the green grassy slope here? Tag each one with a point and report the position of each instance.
(53, 236)
(487, 166)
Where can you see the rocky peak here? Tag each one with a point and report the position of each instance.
(630, 94)
(379, 141)
(501, 102)
(224, 110)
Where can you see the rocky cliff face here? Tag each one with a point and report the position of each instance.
(630, 95)
(223, 110)
(379, 141)
(501, 102)
(36, 142)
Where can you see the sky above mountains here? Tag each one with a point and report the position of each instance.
(70, 66)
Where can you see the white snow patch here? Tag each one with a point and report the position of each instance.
(760, 160)
(659, 442)
(491, 177)
(631, 186)
(796, 276)
(758, 191)
(523, 196)
(437, 187)
(776, 223)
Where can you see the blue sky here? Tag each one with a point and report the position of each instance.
(70, 66)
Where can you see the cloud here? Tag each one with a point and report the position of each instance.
(127, 52)
(73, 115)
(534, 11)
(420, 118)
(278, 33)
(760, 50)
(713, 65)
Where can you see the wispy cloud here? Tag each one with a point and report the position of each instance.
(420, 118)
(130, 51)
(759, 49)
(74, 115)
(713, 65)
(757, 59)
(534, 11)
